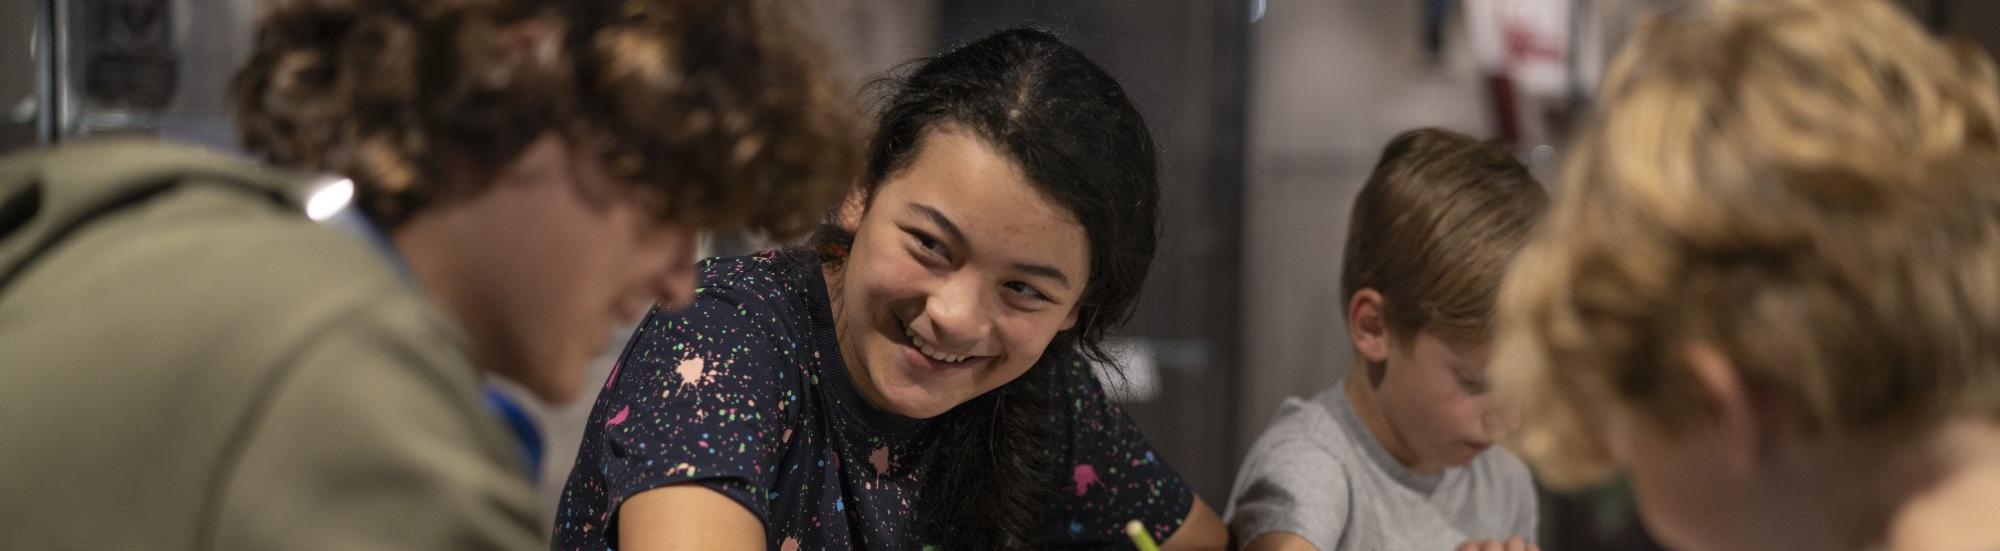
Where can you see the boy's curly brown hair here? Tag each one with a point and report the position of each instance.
(720, 111)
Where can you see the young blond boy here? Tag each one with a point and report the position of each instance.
(1400, 456)
(1770, 287)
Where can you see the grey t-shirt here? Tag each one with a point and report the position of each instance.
(1319, 474)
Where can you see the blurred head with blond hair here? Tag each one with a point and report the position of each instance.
(1769, 288)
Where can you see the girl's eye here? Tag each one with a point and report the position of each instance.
(928, 244)
(1028, 291)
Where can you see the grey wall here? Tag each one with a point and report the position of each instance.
(19, 110)
(214, 36)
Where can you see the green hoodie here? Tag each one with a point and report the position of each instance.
(187, 362)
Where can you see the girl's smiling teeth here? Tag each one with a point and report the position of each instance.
(929, 351)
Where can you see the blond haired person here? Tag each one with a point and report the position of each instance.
(1400, 456)
(1770, 287)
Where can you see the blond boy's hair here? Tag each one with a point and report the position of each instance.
(1433, 230)
(1809, 187)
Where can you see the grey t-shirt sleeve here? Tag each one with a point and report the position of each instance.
(1527, 509)
(1290, 485)
(1527, 519)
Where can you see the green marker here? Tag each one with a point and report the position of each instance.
(1140, 538)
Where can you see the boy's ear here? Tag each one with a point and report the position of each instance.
(1366, 327)
(1741, 424)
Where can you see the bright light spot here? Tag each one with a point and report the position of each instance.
(1256, 10)
(1543, 154)
(329, 199)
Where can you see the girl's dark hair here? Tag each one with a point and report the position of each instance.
(1073, 131)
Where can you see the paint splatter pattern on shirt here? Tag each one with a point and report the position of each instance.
(745, 393)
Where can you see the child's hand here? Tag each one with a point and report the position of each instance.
(1515, 543)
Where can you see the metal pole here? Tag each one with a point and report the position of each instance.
(47, 102)
(61, 54)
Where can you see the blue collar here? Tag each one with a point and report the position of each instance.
(526, 435)
(351, 221)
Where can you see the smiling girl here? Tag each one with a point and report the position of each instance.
(920, 377)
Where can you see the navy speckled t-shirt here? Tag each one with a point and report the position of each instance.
(745, 393)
